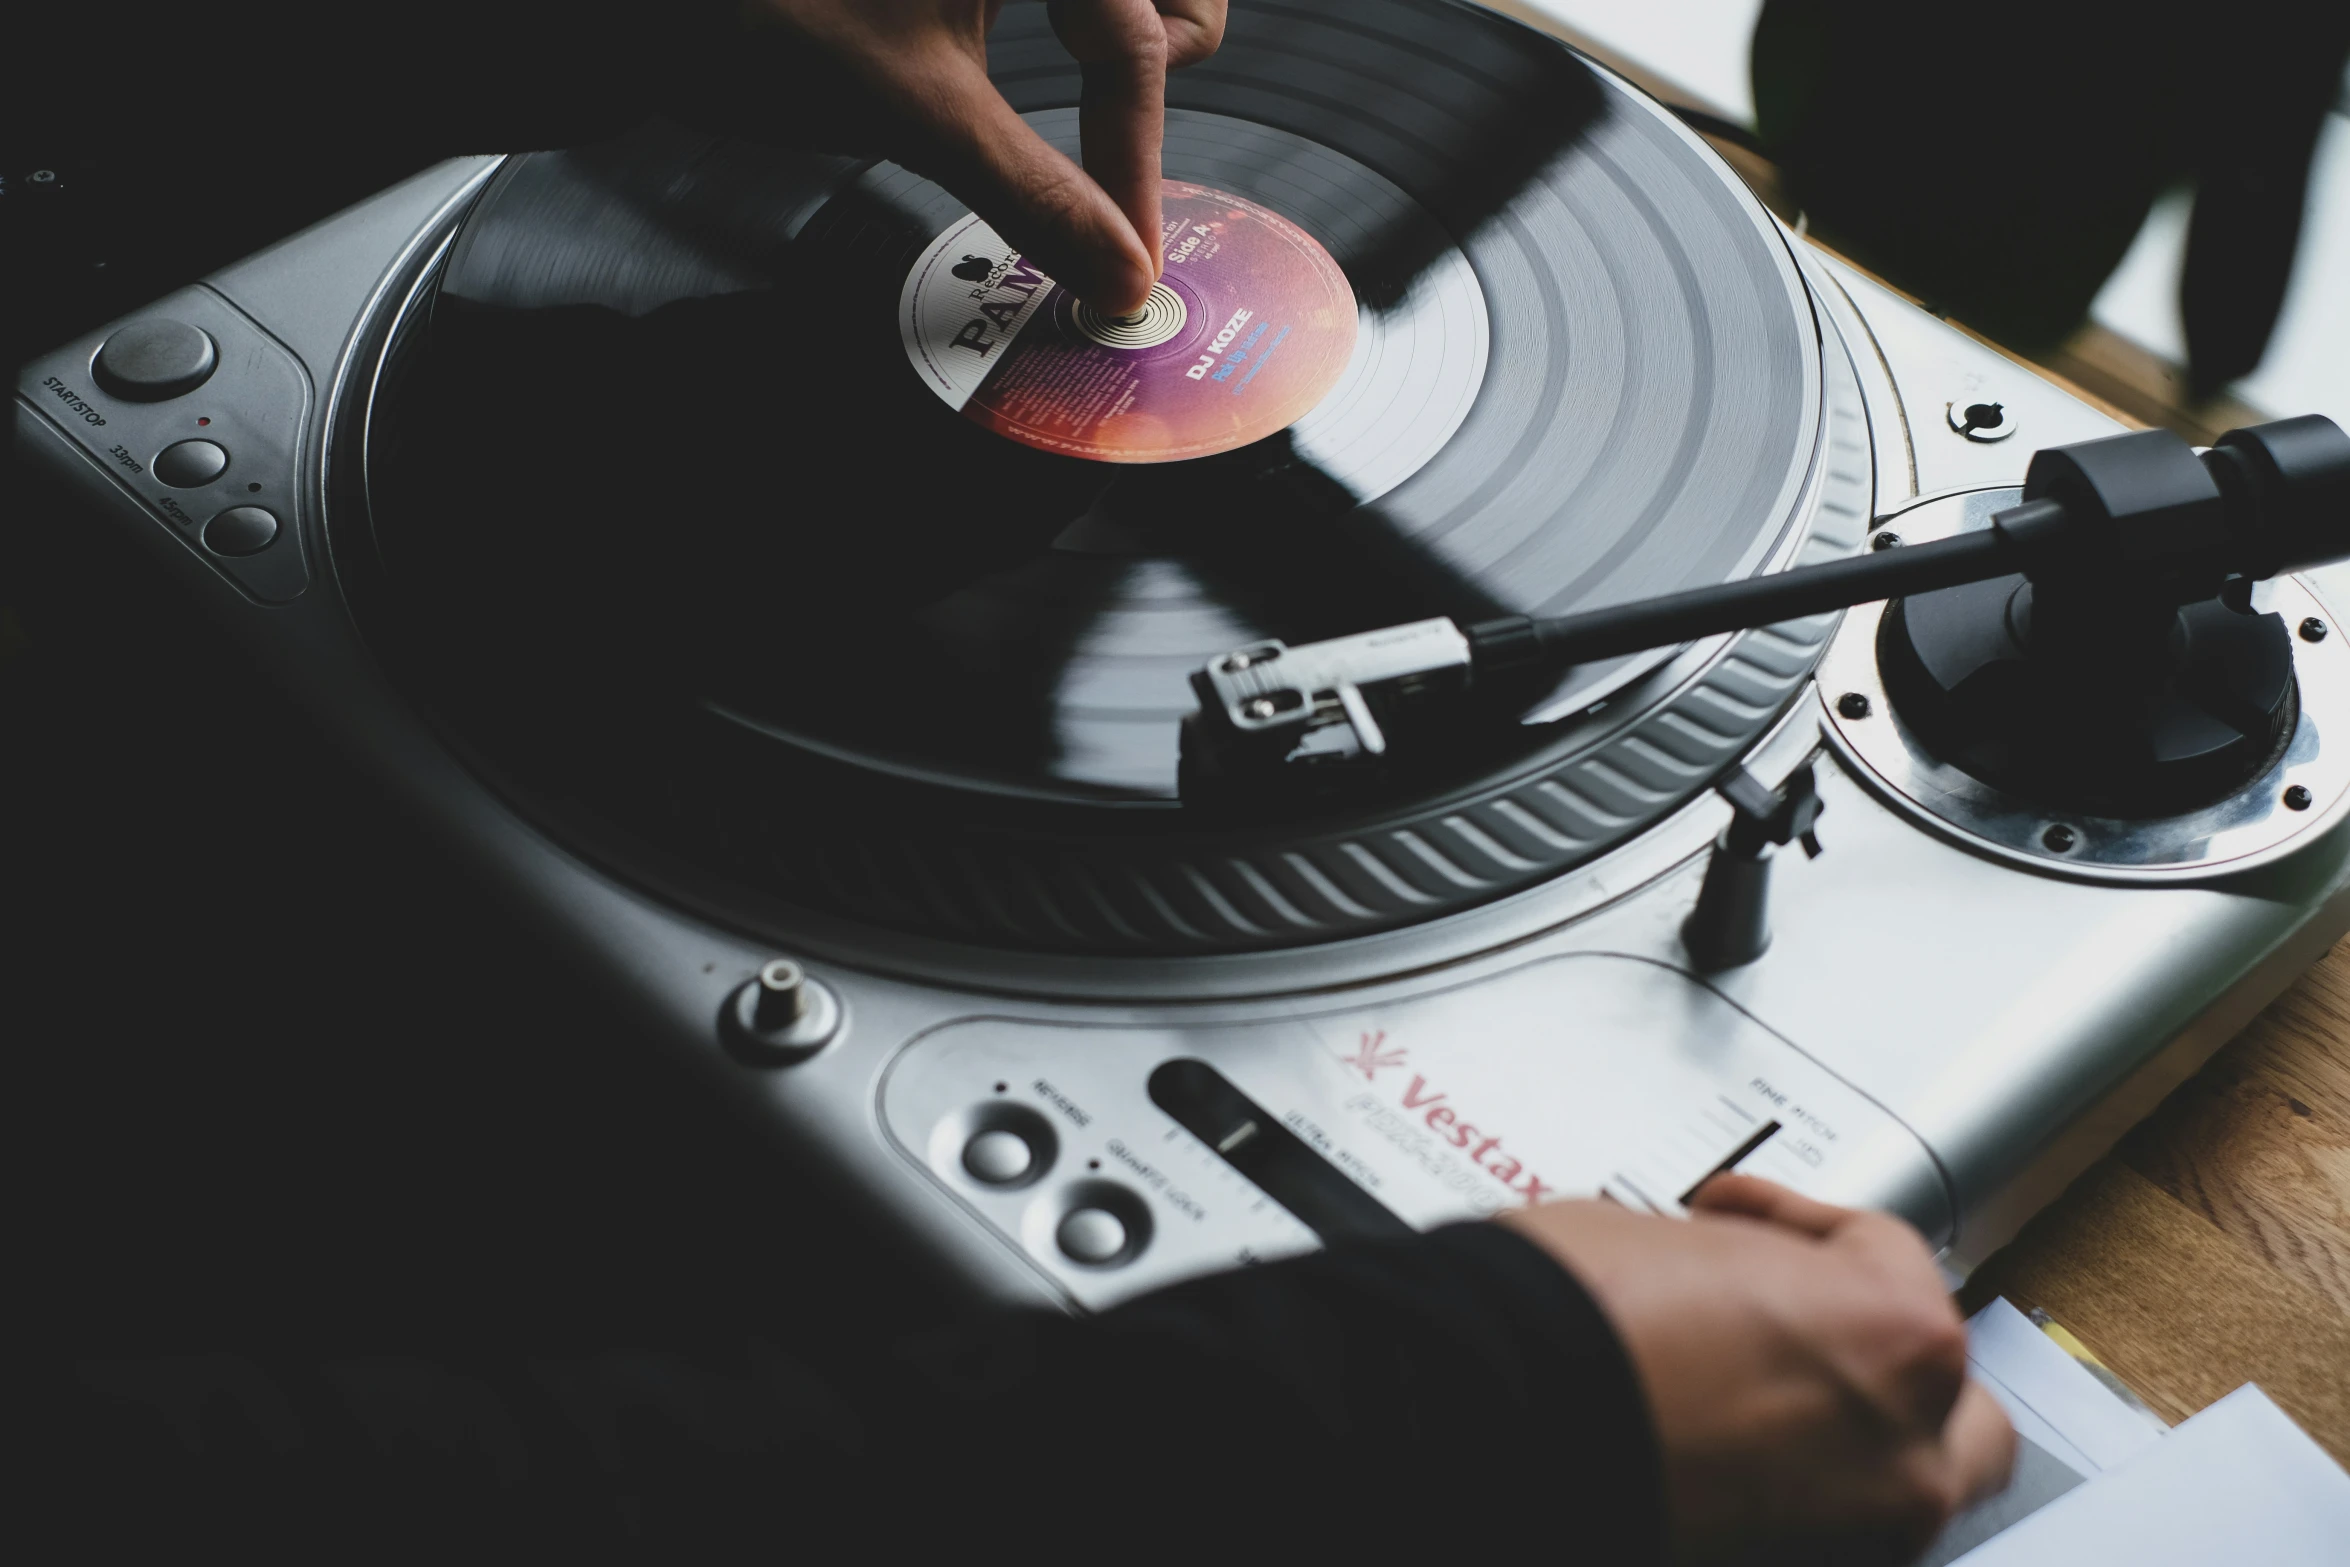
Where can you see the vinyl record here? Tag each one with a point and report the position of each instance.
(1583, 370)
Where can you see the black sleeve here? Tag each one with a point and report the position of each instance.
(1455, 1391)
(218, 85)
(2118, 102)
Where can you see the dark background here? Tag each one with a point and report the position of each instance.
(279, 1077)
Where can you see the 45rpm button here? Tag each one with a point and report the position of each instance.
(241, 530)
(189, 465)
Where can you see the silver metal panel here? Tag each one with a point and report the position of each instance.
(1933, 365)
(1979, 1031)
(1990, 1008)
(1445, 1105)
(313, 287)
(255, 406)
(1893, 467)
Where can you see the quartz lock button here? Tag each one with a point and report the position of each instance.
(1101, 1225)
(1093, 1236)
(150, 361)
(190, 465)
(241, 530)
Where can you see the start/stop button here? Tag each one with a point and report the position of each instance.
(152, 360)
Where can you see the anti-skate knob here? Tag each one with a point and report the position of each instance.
(782, 1016)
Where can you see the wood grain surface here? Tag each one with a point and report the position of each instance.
(2212, 1248)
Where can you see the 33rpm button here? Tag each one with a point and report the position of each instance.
(149, 361)
(1092, 1236)
(241, 530)
(190, 464)
(998, 1157)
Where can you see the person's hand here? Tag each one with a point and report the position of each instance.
(1804, 1365)
(918, 72)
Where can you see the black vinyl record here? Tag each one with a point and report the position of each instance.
(662, 446)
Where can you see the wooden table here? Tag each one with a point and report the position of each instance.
(2212, 1248)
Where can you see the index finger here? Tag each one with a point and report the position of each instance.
(1981, 1443)
(1121, 121)
(1122, 112)
(971, 141)
(1122, 116)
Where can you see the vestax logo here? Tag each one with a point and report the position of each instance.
(1434, 1107)
(1373, 1054)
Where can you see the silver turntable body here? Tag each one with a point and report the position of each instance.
(1962, 1006)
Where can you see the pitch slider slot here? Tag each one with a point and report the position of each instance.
(1762, 1135)
(1247, 1137)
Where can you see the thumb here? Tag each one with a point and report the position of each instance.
(973, 142)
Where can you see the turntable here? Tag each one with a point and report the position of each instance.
(1117, 832)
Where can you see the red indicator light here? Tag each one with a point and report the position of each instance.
(203, 421)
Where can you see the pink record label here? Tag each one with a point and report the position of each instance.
(1250, 326)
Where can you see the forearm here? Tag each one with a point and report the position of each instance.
(1362, 1397)
(216, 83)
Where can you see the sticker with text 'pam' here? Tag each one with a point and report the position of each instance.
(1247, 329)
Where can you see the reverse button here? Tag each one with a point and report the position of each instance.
(999, 1157)
(1004, 1145)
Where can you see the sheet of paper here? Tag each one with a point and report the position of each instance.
(2071, 1427)
(2237, 1483)
(2050, 1396)
(2040, 1478)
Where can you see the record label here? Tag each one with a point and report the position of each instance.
(1250, 326)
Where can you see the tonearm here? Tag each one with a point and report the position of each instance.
(2096, 642)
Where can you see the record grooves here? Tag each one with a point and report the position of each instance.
(762, 594)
